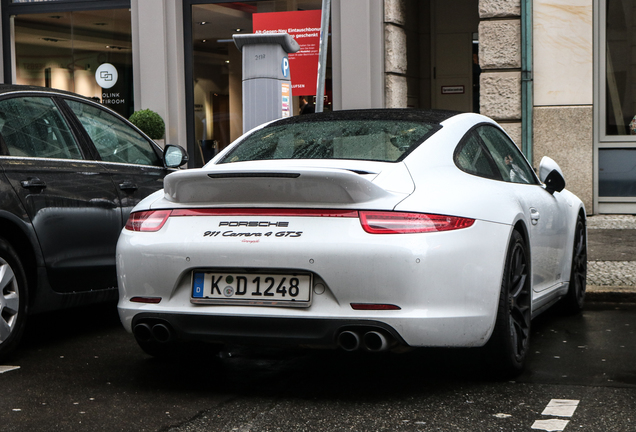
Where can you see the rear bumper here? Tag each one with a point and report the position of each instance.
(314, 333)
(446, 284)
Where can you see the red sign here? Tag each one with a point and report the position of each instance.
(304, 26)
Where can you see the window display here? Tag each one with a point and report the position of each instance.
(217, 64)
(620, 67)
(86, 52)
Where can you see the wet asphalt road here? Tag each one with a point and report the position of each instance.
(79, 371)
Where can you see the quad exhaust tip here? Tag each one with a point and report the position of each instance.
(161, 333)
(374, 341)
(158, 332)
(143, 332)
(349, 341)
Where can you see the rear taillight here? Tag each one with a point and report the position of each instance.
(265, 212)
(147, 221)
(375, 222)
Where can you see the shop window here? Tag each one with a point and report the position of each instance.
(617, 172)
(217, 65)
(86, 52)
(620, 63)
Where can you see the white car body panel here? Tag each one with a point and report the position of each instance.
(420, 267)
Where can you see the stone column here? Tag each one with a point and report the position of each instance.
(158, 58)
(357, 54)
(396, 89)
(500, 61)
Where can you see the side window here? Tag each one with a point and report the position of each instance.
(114, 140)
(510, 162)
(34, 127)
(473, 158)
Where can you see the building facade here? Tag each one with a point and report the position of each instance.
(555, 73)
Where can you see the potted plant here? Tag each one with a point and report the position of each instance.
(149, 122)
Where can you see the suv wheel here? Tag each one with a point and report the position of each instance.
(13, 298)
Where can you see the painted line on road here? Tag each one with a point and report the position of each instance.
(561, 408)
(550, 425)
(556, 408)
(4, 369)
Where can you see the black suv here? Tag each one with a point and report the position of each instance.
(70, 172)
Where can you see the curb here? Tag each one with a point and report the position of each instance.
(624, 294)
(612, 280)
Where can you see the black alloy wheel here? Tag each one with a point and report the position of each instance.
(13, 299)
(575, 298)
(509, 343)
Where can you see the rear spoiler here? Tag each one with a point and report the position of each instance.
(278, 187)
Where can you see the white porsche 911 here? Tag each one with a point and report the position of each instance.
(370, 229)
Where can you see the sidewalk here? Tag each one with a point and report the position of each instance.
(611, 271)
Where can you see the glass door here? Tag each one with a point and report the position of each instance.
(615, 140)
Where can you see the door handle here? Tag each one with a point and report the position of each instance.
(128, 186)
(534, 216)
(33, 183)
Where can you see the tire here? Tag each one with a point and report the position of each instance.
(509, 343)
(575, 297)
(13, 299)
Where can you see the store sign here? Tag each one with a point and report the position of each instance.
(304, 26)
(114, 90)
(286, 99)
(106, 75)
(456, 89)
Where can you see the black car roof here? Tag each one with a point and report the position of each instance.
(395, 114)
(12, 88)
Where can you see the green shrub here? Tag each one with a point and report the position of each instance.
(149, 122)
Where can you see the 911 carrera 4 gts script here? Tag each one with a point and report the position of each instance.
(290, 234)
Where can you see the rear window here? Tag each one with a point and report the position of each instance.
(374, 140)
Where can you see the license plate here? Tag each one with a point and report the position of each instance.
(252, 289)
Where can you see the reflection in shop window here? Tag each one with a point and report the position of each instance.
(217, 66)
(617, 172)
(64, 50)
(621, 67)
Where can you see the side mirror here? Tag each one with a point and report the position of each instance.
(174, 156)
(551, 175)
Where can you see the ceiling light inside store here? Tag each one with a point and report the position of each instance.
(238, 30)
(203, 23)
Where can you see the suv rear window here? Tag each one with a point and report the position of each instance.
(34, 127)
(361, 139)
